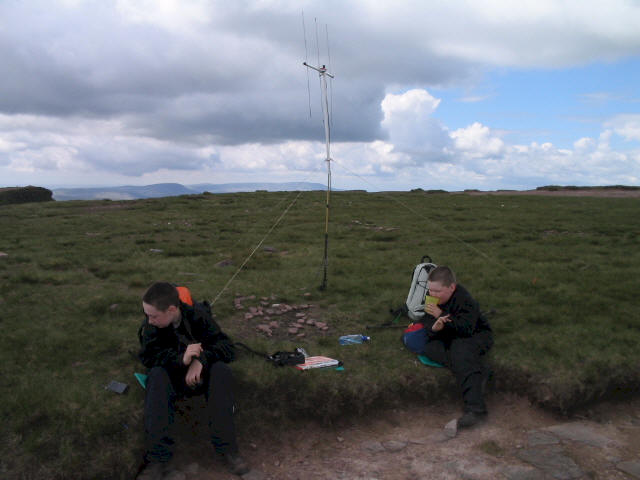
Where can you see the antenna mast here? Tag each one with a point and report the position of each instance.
(322, 71)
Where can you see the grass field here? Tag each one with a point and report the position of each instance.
(560, 272)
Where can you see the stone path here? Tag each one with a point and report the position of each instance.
(518, 442)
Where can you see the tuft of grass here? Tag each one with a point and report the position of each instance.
(560, 272)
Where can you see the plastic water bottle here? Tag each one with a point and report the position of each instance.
(353, 339)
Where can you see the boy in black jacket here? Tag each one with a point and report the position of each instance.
(186, 354)
(459, 336)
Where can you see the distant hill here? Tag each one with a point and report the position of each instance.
(133, 192)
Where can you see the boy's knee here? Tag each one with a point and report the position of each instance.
(158, 376)
(220, 370)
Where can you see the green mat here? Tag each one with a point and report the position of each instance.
(142, 379)
(427, 361)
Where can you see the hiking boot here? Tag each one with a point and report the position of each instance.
(151, 471)
(236, 463)
(469, 419)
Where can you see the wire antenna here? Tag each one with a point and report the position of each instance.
(323, 73)
(306, 59)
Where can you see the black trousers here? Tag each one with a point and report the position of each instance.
(464, 357)
(159, 409)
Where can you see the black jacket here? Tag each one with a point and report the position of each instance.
(165, 347)
(465, 314)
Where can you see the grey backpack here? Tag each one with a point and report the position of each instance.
(418, 289)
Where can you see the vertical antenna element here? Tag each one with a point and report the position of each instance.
(306, 59)
(322, 71)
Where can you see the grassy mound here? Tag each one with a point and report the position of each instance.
(24, 195)
(560, 272)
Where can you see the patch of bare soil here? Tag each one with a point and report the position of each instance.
(518, 441)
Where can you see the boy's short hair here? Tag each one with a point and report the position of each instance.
(442, 274)
(162, 295)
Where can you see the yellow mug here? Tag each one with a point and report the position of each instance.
(429, 299)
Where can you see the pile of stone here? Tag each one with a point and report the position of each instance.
(272, 317)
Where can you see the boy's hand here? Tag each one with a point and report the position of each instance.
(439, 324)
(433, 310)
(193, 350)
(193, 374)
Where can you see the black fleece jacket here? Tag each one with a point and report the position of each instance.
(165, 347)
(466, 318)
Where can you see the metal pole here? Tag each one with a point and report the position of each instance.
(322, 71)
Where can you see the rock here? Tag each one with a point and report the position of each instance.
(632, 468)
(253, 475)
(307, 294)
(224, 263)
(301, 322)
(155, 250)
(394, 445)
(292, 330)
(439, 437)
(175, 475)
(2, 254)
(321, 324)
(248, 316)
(537, 437)
(192, 468)
(310, 321)
(325, 328)
(552, 460)
(274, 324)
(269, 249)
(253, 310)
(581, 432)
(264, 328)
(301, 334)
(451, 428)
(340, 439)
(516, 472)
(113, 307)
(372, 446)
(301, 315)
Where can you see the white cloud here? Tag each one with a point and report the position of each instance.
(627, 126)
(476, 141)
(412, 130)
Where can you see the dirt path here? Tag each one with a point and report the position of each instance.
(518, 442)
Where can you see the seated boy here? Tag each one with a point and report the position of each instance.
(186, 354)
(458, 337)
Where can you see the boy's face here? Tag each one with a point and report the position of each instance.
(436, 289)
(158, 318)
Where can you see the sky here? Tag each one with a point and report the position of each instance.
(432, 94)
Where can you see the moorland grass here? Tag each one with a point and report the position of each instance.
(560, 272)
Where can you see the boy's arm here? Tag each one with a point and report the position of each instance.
(463, 318)
(216, 345)
(154, 354)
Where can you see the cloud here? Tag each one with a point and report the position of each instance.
(476, 141)
(627, 126)
(42, 144)
(134, 88)
(412, 130)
